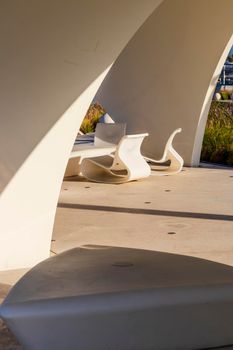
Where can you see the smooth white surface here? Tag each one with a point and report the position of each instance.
(51, 54)
(55, 55)
(106, 138)
(127, 163)
(27, 210)
(170, 154)
(98, 297)
(86, 151)
(166, 76)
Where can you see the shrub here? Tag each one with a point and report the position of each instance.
(92, 117)
(225, 95)
(218, 139)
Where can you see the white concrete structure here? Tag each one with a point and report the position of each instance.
(165, 77)
(55, 55)
(122, 299)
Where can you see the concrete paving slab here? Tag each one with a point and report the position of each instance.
(190, 213)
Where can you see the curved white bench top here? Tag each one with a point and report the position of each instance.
(98, 298)
(92, 270)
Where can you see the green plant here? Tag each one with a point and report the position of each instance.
(230, 58)
(92, 117)
(218, 139)
(225, 95)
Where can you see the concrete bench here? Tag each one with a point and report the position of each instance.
(106, 298)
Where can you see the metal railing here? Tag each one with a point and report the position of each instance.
(226, 76)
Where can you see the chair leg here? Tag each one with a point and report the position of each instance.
(73, 167)
(138, 170)
(96, 173)
(176, 164)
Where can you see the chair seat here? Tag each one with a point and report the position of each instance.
(105, 161)
(103, 142)
(99, 297)
(90, 150)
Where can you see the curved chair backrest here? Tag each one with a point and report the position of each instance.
(109, 134)
(169, 142)
(171, 137)
(128, 151)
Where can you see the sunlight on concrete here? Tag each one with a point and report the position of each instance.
(190, 214)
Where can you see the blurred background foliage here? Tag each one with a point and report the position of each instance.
(218, 139)
(92, 117)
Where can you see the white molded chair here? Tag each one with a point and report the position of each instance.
(127, 164)
(106, 138)
(170, 154)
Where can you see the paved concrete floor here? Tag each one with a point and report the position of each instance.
(190, 213)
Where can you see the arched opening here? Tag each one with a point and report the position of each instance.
(217, 144)
(196, 154)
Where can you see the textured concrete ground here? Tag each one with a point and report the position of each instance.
(190, 213)
(7, 340)
(7, 279)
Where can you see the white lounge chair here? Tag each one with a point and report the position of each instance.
(126, 164)
(170, 154)
(106, 138)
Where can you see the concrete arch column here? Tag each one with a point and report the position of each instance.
(54, 56)
(200, 130)
(166, 76)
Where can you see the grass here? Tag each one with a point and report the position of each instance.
(218, 139)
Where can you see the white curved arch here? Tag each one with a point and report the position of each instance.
(160, 81)
(52, 51)
(52, 54)
(206, 106)
(28, 202)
